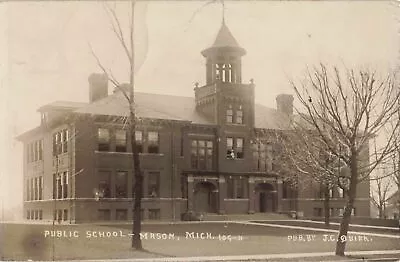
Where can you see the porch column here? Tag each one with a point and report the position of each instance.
(279, 189)
(251, 195)
(190, 189)
(221, 194)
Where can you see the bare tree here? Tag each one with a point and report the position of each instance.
(345, 109)
(307, 157)
(381, 194)
(127, 44)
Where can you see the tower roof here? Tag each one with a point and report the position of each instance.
(225, 39)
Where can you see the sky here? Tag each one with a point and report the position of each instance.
(45, 52)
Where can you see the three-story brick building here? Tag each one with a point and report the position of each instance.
(211, 153)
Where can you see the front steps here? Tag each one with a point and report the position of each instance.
(245, 217)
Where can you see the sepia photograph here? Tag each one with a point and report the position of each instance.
(204, 130)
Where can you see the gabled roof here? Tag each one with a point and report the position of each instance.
(153, 106)
(156, 106)
(169, 107)
(62, 105)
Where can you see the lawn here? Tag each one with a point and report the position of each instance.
(28, 241)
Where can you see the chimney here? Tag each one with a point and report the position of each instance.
(284, 104)
(98, 87)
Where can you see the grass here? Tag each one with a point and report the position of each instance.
(27, 241)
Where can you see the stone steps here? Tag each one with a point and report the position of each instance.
(245, 217)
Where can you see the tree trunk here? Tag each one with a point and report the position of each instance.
(345, 223)
(138, 188)
(326, 205)
(380, 212)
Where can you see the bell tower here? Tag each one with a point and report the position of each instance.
(224, 98)
(223, 58)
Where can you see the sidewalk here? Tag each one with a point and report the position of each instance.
(396, 253)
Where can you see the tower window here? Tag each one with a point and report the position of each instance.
(227, 73)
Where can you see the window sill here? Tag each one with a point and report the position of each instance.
(235, 124)
(127, 153)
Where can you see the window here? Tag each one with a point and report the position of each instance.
(65, 185)
(41, 214)
(28, 214)
(235, 187)
(139, 141)
(104, 214)
(105, 184)
(54, 186)
(32, 196)
(353, 212)
(331, 193)
(35, 151)
(332, 212)
(36, 214)
(59, 185)
(41, 149)
(55, 144)
(120, 141)
(218, 69)
(341, 192)
(121, 214)
(64, 145)
(230, 154)
(340, 211)
(35, 194)
(65, 215)
(201, 154)
(229, 114)
(103, 139)
(239, 147)
(226, 73)
(154, 214)
(153, 184)
(121, 184)
(234, 148)
(60, 215)
(239, 115)
(60, 143)
(152, 142)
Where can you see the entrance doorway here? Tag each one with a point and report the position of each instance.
(265, 198)
(205, 197)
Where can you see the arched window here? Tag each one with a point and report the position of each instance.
(227, 73)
